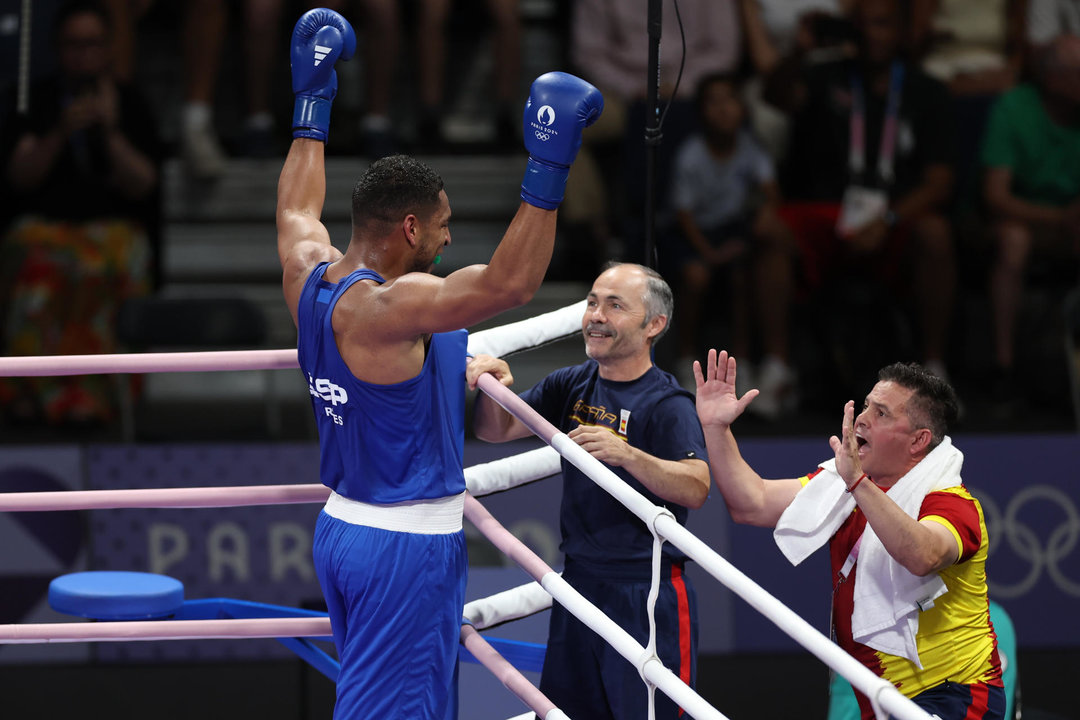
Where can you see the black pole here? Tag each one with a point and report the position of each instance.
(652, 130)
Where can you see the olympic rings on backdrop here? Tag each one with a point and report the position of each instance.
(1022, 539)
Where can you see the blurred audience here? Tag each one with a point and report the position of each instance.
(1046, 19)
(202, 38)
(727, 232)
(382, 35)
(975, 47)
(868, 175)
(788, 31)
(1031, 155)
(855, 101)
(82, 170)
(609, 47)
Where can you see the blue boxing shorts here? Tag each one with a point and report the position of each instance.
(395, 599)
(584, 676)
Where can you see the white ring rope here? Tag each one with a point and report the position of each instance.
(508, 472)
(529, 333)
(876, 688)
(512, 604)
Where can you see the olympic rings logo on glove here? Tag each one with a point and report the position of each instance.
(1022, 539)
(542, 136)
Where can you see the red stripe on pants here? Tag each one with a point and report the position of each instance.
(684, 626)
(979, 702)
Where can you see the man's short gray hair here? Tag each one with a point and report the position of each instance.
(658, 298)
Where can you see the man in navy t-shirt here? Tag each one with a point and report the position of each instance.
(636, 418)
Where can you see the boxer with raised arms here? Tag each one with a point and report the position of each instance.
(380, 346)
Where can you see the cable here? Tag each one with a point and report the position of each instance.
(682, 64)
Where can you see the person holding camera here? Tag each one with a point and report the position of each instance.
(80, 172)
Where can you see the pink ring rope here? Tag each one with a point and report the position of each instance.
(197, 497)
(148, 363)
(164, 630)
(507, 674)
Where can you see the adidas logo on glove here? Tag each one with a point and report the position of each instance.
(321, 51)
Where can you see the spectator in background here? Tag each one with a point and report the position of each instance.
(788, 31)
(975, 47)
(1031, 155)
(868, 204)
(506, 66)
(82, 168)
(725, 197)
(609, 47)
(1046, 19)
(202, 39)
(382, 34)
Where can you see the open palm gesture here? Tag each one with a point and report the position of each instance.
(717, 402)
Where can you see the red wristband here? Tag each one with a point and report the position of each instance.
(861, 478)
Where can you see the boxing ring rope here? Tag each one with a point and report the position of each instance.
(498, 341)
(509, 676)
(512, 604)
(135, 630)
(41, 365)
(651, 669)
(881, 692)
(481, 479)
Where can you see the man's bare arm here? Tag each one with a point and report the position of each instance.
(303, 240)
(684, 482)
(491, 422)
(418, 303)
(750, 499)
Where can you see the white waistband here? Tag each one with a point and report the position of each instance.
(441, 516)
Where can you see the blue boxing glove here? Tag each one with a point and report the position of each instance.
(559, 107)
(320, 37)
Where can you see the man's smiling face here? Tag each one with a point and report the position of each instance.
(614, 325)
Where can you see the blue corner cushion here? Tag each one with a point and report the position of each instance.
(109, 595)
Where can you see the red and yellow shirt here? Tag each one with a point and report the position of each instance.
(956, 640)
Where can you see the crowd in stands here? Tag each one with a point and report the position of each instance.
(838, 182)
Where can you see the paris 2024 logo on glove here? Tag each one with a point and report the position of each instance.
(545, 118)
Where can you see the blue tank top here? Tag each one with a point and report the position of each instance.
(382, 443)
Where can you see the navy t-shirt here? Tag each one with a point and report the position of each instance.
(654, 414)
